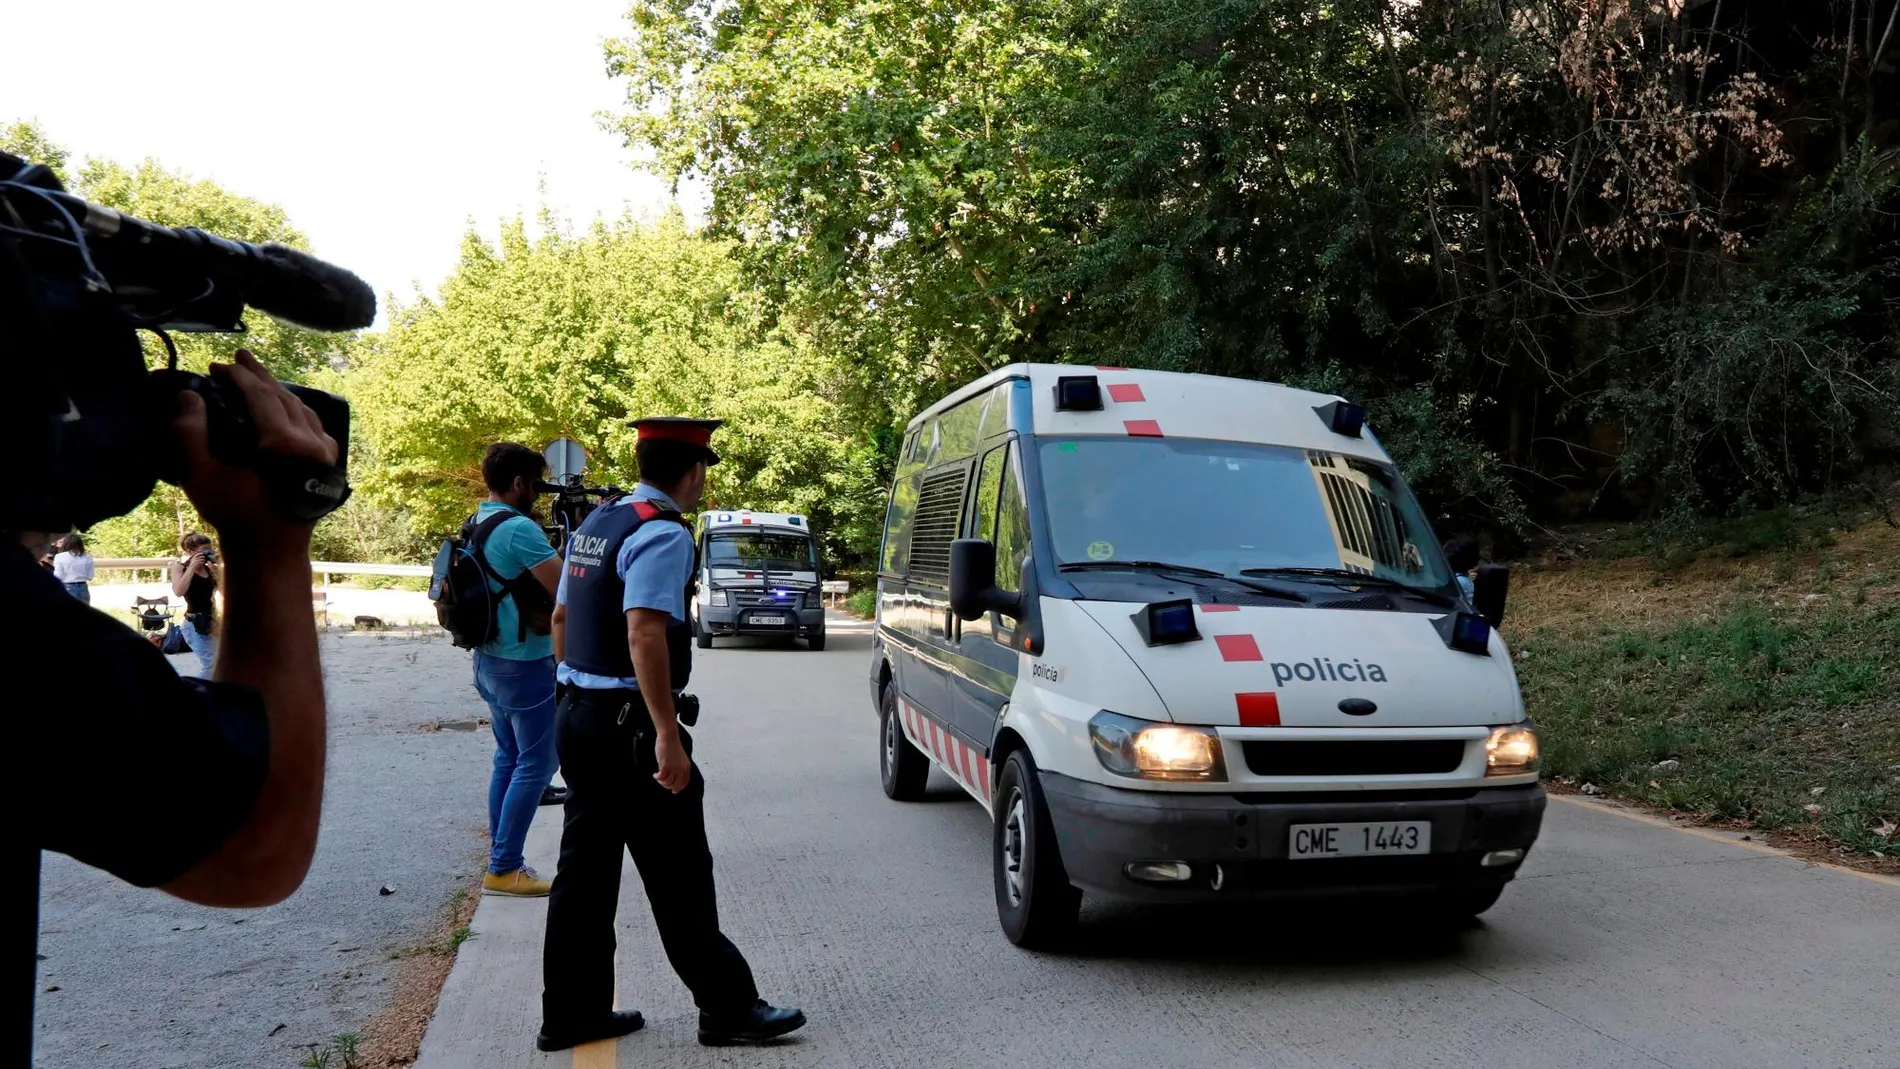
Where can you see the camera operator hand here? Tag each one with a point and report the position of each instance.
(229, 497)
(269, 640)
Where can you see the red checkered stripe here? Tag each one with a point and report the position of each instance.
(969, 768)
(1129, 393)
(1257, 708)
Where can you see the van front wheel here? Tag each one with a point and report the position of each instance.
(1035, 902)
(903, 767)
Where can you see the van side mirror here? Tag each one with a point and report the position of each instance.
(973, 590)
(1489, 588)
(831, 571)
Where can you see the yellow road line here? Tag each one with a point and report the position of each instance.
(1715, 836)
(604, 1054)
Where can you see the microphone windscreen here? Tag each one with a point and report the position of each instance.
(296, 286)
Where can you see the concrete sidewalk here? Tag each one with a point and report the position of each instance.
(490, 1008)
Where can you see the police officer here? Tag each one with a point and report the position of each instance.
(625, 653)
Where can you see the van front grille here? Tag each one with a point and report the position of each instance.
(1370, 757)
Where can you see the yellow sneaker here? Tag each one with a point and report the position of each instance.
(521, 883)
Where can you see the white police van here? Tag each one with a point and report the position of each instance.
(758, 575)
(1190, 638)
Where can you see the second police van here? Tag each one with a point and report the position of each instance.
(758, 575)
(1191, 639)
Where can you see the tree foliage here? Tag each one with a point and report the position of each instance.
(1615, 254)
(573, 335)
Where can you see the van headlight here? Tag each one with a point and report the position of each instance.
(717, 597)
(1511, 750)
(1147, 750)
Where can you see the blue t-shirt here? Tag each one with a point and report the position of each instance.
(656, 564)
(514, 546)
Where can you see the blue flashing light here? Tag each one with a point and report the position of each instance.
(1342, 417)
(1465, 633)
(1078, 393)
(793, 520)
(1165, 623)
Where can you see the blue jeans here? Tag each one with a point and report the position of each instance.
(520, 694)
(80, 591)
(202, 645)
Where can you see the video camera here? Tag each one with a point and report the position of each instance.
(85, 424)
(569, 506)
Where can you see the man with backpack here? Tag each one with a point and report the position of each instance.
(494, 593)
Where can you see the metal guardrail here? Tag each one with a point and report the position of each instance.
(324, 568)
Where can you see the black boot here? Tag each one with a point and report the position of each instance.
(754, 1024)
(552, 795)
(612, 1026)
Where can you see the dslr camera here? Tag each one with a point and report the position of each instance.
(85, 421)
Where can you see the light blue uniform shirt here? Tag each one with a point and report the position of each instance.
(514, 546)
(655, 564)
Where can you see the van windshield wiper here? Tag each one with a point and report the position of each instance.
(1144, 566)
(1348, 577)
(1188, 571)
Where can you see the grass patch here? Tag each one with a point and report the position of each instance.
(1781, 718)
(416, 583)
(1780, 533)
(862, 602)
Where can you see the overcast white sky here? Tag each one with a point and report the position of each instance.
(383, 127)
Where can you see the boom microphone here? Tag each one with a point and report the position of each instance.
(304, 290)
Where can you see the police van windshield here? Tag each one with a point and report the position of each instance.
(761, 549)
(1234, 508)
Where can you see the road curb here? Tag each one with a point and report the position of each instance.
(1732, 838)
(490, 1007)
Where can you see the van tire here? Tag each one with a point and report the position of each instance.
(816, 640)
(701, 637)
(902, 766)
(1035, 902)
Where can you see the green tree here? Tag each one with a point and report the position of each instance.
(26, 139)
(573, 335)
(1564, 249)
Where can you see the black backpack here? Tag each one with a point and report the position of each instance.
(464, 602)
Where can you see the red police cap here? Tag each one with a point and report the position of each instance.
(680, 429)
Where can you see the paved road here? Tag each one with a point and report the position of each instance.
(1623, 944)
(146, 981)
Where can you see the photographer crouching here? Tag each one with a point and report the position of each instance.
(208, 789)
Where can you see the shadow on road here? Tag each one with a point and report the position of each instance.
(837, 639)
(1290, 934)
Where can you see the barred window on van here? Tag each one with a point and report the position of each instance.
(939, 510)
